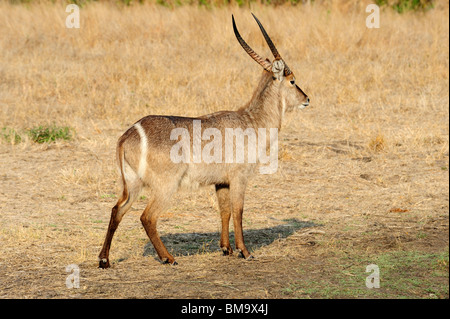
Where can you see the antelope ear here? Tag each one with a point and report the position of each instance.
(278, 69)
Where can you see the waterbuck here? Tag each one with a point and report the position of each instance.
(145, 154)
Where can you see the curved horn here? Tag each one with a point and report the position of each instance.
(268, 40)
(272, 47)
(264, 63)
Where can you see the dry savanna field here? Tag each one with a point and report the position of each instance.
(362, 175)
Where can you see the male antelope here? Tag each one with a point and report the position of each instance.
(144, 160)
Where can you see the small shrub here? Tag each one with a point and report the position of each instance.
(402, 6)
(11, 136)
(377, 144)
(47, 134)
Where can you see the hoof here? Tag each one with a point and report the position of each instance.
(249, 256)
(103, 263)
(168, 262)
(227, 251)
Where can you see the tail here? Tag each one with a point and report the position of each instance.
(120, 153)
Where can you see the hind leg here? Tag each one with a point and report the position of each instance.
(149, 217)
(130, 193)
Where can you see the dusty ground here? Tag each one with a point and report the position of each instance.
(362, 179)
(308, 217)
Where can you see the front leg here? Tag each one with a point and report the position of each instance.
(223, 196)
(237, 192)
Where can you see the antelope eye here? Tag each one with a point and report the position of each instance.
(292, 82)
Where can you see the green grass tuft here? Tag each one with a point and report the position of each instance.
(48, 134)
(10, 135)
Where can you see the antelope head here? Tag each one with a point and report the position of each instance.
(291, 94)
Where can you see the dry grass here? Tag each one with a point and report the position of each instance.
(366, 163)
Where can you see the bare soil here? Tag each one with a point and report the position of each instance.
(310, 215)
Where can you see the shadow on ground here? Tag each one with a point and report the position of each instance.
(196, 243)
